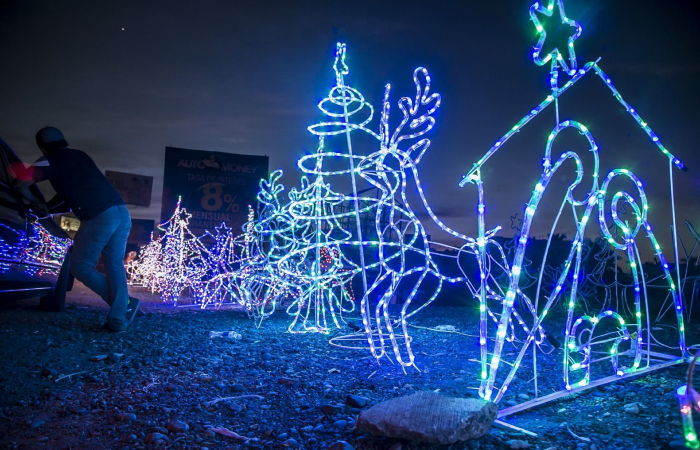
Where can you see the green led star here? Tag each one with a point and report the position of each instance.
(555, 55)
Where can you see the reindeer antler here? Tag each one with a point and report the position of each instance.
(417, 113)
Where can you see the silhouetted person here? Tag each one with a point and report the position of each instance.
(104, 221)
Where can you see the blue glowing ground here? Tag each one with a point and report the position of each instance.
(128, 388)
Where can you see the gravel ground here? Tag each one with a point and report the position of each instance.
(65, 383)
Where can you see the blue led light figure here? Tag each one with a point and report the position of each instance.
(555, 56)
(327, 274)
(210, 270)
(295, 250)
(577, 354)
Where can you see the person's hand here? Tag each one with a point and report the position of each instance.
(39, 209)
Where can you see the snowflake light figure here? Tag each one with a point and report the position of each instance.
(217, 261)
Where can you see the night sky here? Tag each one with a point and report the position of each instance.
(124, 79)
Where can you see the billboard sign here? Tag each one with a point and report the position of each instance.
(134, 189)
(215, 187)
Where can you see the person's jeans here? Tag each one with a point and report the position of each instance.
(106, 234)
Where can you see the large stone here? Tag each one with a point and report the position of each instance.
(355, 401)
(429, 417)
(331, 409)
(155, 437)
(517, 444)
(177, 426)
(127, 417)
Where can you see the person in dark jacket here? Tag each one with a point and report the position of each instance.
(104, 221)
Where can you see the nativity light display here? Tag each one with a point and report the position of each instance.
(689, 400)
(584, 345)
(315, 248)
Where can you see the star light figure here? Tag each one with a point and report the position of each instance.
(555, 56)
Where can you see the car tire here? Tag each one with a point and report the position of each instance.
(56, 302)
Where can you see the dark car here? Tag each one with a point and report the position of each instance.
(34, 250)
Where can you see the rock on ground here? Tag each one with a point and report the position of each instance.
(155, 437)
(177, 426)
(355, 401)
(429, 417)
(340, 445)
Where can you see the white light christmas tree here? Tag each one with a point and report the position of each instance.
(147, 270)
(165, 265)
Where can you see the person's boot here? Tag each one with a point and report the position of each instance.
(111, 329)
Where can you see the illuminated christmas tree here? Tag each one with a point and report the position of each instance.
(180, 246)
(318, 263)
(165, 264)
(147, 269)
